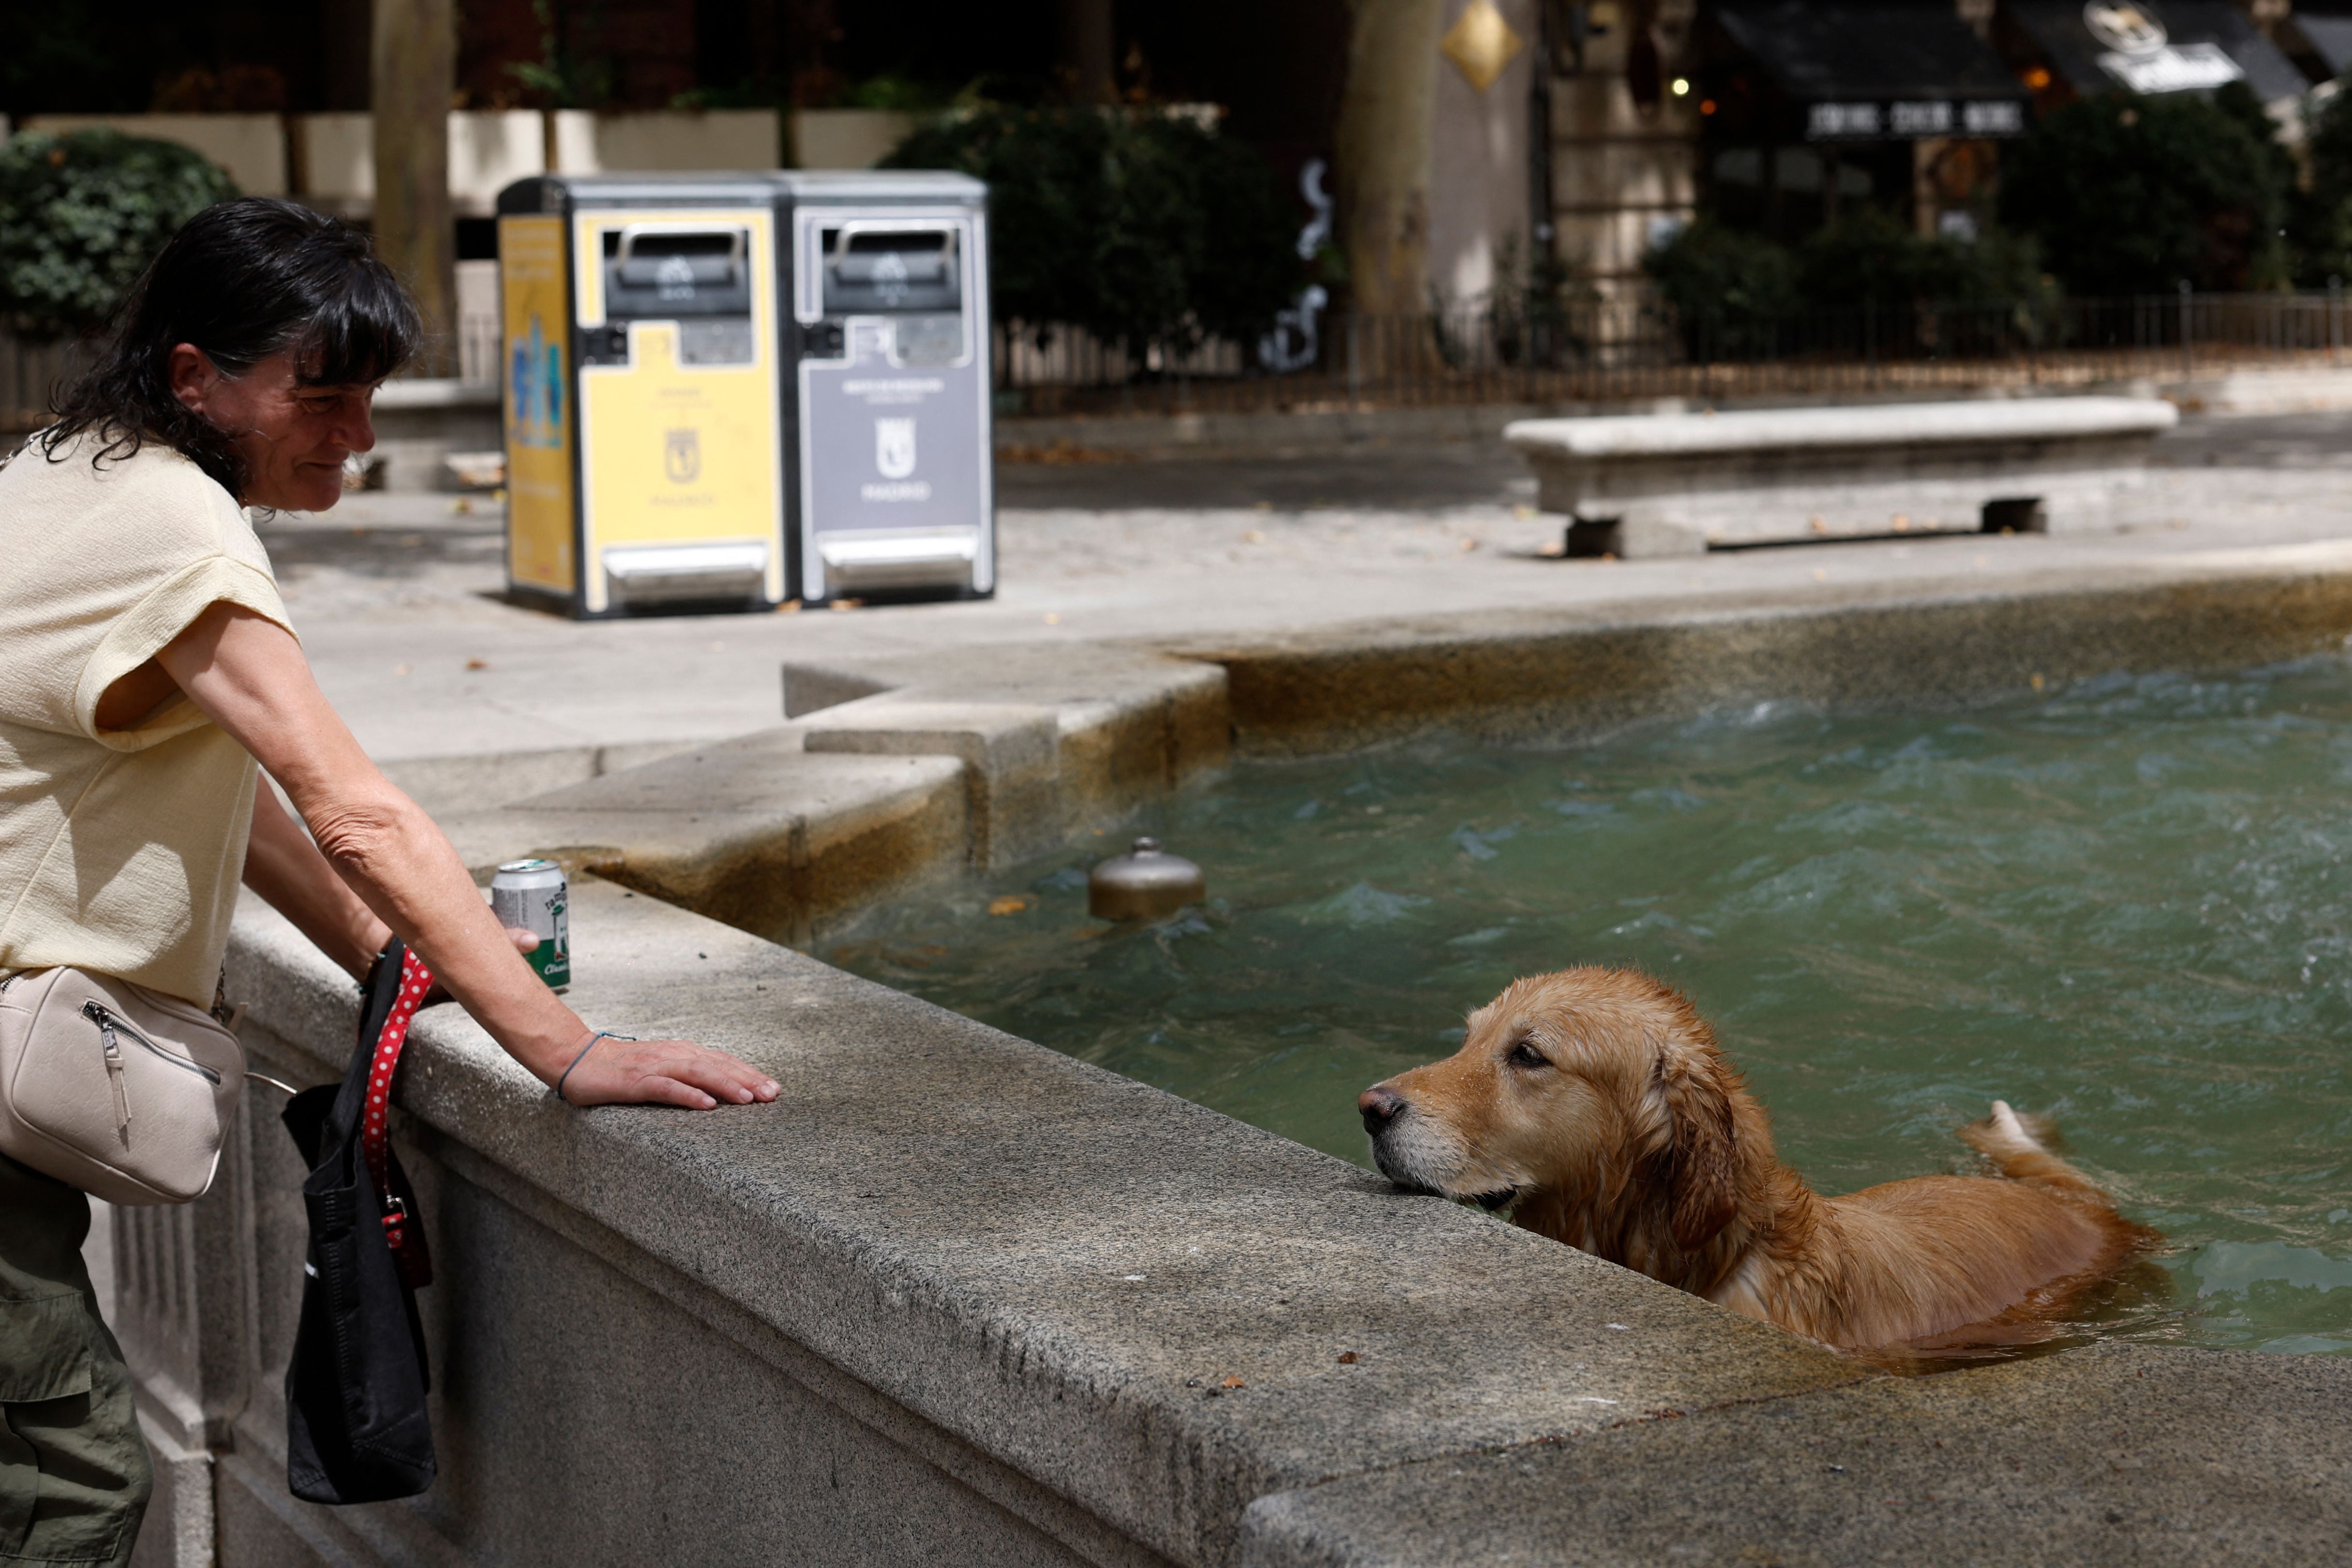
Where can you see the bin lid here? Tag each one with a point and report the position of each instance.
(546, 193)
(813, 186)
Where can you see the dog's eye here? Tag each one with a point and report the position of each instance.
(1524, 1054)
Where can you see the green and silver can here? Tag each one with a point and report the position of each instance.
(532, 895)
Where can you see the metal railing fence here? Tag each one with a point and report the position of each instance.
(1580, 353)
(1615, 352)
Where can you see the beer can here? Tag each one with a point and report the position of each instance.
(531, 894)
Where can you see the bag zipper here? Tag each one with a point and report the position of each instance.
(108, 1021)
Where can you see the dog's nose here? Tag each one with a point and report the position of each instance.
(1380, 1105)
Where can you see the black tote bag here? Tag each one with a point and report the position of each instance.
(356, 1426)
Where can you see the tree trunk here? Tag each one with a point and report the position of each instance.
(1086, 51)
(415, 73)
(1383, 140)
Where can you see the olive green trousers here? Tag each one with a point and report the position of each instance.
(74, 1476)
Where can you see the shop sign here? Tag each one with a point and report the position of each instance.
(1910, 119)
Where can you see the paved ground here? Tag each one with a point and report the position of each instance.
(397, 596)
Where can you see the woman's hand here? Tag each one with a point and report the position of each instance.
(372, 866)
(615, 1071)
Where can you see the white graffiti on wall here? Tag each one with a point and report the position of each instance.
(1292, 343)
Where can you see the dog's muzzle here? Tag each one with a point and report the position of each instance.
(1398, 1152)
(1380, 1106)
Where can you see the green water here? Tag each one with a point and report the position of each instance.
(2128, 906)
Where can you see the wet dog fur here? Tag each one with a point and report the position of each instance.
(1595, 1106)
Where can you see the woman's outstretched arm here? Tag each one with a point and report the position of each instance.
(286, 868)
(249, 676)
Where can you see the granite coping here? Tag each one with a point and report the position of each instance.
(2118, 1453)
(1528, 675)
(910, 771)
(756, 831)
(1136, 1302)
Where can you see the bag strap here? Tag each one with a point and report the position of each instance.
(415, 980)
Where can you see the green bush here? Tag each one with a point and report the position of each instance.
(2322, 223)
(1736, 295)
(2129, 195)
(1141, 228)
(1730, 289)
(80, 217)
(1868, 257)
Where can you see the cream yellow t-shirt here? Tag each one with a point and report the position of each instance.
(121, 850)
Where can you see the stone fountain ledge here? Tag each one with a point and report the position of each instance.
(958, 1297)
(952, 1286)
(891, 1318)
(885, 782)
(894, 770)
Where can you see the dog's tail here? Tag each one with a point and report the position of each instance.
(2014, 1143)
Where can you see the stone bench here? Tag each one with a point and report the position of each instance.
(1680, 484)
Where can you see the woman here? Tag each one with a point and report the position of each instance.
(147, 671)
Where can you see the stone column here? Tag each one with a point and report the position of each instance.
(1478, 182)
(415, 73)
(1386, 114)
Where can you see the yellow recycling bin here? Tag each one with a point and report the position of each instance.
(645, 464)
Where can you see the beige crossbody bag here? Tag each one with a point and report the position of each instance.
(121, 1091)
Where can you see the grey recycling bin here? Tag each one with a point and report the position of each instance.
(892, 491)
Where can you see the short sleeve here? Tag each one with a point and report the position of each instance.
(142, 631)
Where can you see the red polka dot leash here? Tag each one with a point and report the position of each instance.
(415, 980)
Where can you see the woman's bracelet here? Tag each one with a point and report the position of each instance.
(599, 1035)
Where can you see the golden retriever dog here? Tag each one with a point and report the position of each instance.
(1595, 1106)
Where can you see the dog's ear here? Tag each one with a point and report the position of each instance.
(1702, 1190)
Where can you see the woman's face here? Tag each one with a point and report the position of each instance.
(293, 438)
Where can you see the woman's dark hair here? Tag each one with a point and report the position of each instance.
(242, 280)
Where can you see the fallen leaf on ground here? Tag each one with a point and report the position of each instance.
(1007, 906)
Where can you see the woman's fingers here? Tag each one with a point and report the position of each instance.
(665, 1072)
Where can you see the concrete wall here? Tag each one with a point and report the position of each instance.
(847, 138)
(251, 147)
